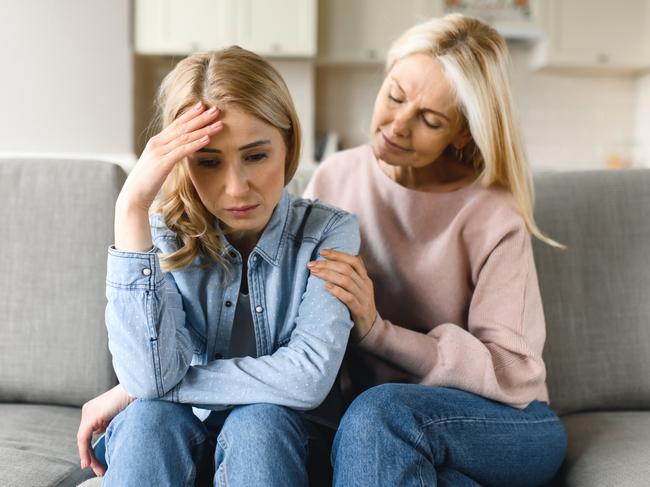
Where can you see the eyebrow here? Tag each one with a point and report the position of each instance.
(423, 109)
(243, 147)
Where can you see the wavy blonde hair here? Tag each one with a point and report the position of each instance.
(476, 61)
(232, 76)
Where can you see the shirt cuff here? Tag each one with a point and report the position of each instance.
(133, 270)
(373, 337)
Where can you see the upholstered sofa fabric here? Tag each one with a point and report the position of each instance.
(57, 219)
(607, 449)
(38, 446)
(596, 293)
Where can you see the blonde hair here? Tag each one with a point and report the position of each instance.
(476, 61)
(232, 76)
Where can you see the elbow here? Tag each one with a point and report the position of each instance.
(139, 388)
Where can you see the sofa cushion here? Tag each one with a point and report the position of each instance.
(606, 449)
(57, 223)
(38, 446)
(596, 293)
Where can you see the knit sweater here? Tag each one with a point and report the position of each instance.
(455, 283)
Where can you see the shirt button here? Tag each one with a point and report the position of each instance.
(146, 271)
(232, 254)
(255, 258)
(228, 304)
(259, 309)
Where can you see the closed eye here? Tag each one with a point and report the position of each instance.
(208, 162)
(256, 157)
(429, 124)
(392, 98)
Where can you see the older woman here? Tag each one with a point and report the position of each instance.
(449, 325)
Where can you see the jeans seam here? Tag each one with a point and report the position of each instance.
(421, 460)
(464, 419)
(220, 473)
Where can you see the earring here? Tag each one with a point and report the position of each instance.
(459, 153)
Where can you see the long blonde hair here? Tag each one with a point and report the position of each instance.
(476, 61)
(232, 76)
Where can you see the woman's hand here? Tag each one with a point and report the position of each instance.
(96, 414)
(186, 135)
(347, 279)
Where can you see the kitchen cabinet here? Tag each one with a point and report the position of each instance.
(361, 31)
(597, 34)
(273, 28)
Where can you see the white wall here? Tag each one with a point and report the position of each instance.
(66, 84)
(643, 120)
(569, 121)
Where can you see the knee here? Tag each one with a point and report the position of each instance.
(149, 417)
(261, 425)
(376, 407)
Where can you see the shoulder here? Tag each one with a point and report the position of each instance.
(492, 217)
(313, 219)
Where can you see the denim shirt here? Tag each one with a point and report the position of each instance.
(168, 331)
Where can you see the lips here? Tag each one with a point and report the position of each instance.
(393, 145)
(244, 210)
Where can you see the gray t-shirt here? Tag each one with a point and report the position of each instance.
(242, 338)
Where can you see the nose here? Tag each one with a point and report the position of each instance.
(236, 181)
(401, 122)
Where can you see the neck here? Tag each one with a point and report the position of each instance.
(443, 175)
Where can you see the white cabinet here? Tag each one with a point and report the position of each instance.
(361, 31)
(279, 27)
(601, 34)
(282, 28)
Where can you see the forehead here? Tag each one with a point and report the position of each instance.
(423, 79)
(240, 127)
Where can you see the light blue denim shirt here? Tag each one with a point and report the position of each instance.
(168, 331)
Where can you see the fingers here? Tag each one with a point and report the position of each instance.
(84, 435)
(345, 297)
(352, 260)
(97, 467)
(191, 120)
(339, 274)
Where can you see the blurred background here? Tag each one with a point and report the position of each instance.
(79, 76)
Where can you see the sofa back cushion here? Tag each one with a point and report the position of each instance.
(596, 293)
(56, 218)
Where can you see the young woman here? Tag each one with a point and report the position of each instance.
(449, 326)
(210, 302)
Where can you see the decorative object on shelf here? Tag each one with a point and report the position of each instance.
(491, 10)
(512, 18)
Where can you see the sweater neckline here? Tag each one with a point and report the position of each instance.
(395, 186)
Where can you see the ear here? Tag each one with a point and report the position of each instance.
(463, 137)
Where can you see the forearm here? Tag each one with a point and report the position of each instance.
(499, 366)
(150, 347)
(132, 229)
(298, 376)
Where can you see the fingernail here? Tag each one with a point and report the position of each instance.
(198, 106)
(212, 110)
(215, 125)
(311, 264)
(324, 252)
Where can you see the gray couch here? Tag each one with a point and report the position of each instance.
(56, 219)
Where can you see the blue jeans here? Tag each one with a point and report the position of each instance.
(160, 443)
(413, 435)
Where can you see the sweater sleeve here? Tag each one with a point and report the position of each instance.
(499, 355)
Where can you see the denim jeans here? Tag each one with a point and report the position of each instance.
(413, 435)
(159, 443)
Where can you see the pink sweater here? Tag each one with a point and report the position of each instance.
(455, 283)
